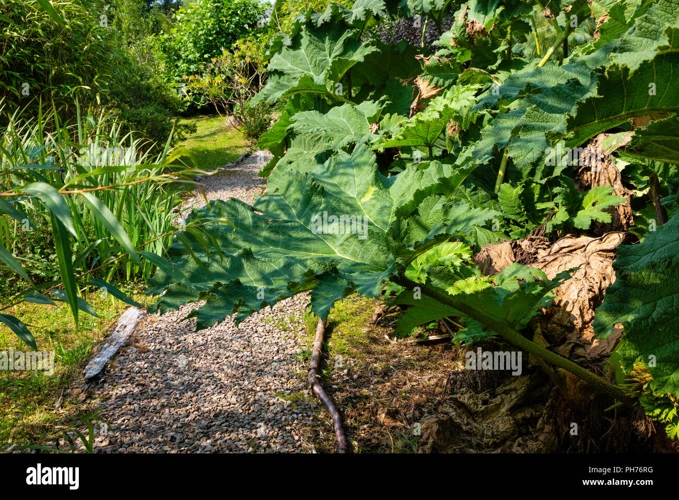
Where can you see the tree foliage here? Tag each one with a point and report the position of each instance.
(203, 29)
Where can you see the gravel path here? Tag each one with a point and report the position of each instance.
(224, 389)
(240, 181)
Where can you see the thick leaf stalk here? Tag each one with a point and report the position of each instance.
(503, 170)
(512, 335)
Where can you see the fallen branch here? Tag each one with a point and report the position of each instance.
(122, 333)
(318, 388)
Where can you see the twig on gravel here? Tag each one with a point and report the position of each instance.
(318, 388)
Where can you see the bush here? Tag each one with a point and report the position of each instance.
(231, 80)
(203, 30)
(147, 105)
(91, 59)
(254, 119)
(39, 59)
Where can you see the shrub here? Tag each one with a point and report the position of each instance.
(145, 104)
(230, 81)
(202, 31)
(254, 119)
(41, 58)
(83, 56)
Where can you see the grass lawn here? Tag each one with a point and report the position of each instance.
(215, 143)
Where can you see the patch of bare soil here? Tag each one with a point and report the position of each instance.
(382, 386)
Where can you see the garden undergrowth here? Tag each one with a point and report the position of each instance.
(35, 408)
(382, 386)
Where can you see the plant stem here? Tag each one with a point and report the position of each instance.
(424, 31)
(367, 18)
(503, 169)
(515, 337)
(552, 49)
(538, 50)
(660, 210)
(349, 84)
(551, 19)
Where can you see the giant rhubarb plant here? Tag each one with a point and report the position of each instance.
(380, 180)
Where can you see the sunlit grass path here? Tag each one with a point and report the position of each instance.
(215, 143)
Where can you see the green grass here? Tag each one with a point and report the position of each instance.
(296, 398)
(36, 407)
(215, 143)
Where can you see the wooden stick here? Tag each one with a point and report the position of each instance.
(318, 388)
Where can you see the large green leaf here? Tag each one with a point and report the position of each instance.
(426, 6)
(644, 300)
(362, 9)
(551, 94)
(512, 297)
(341, 126)
(589, 95)
(289, 240)
(304, 150)
(388, 63)
(658, 141)
(316, 59)
(653, 33)
(274, 139)
(426, 127)
(650, 93)
(422, 310)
